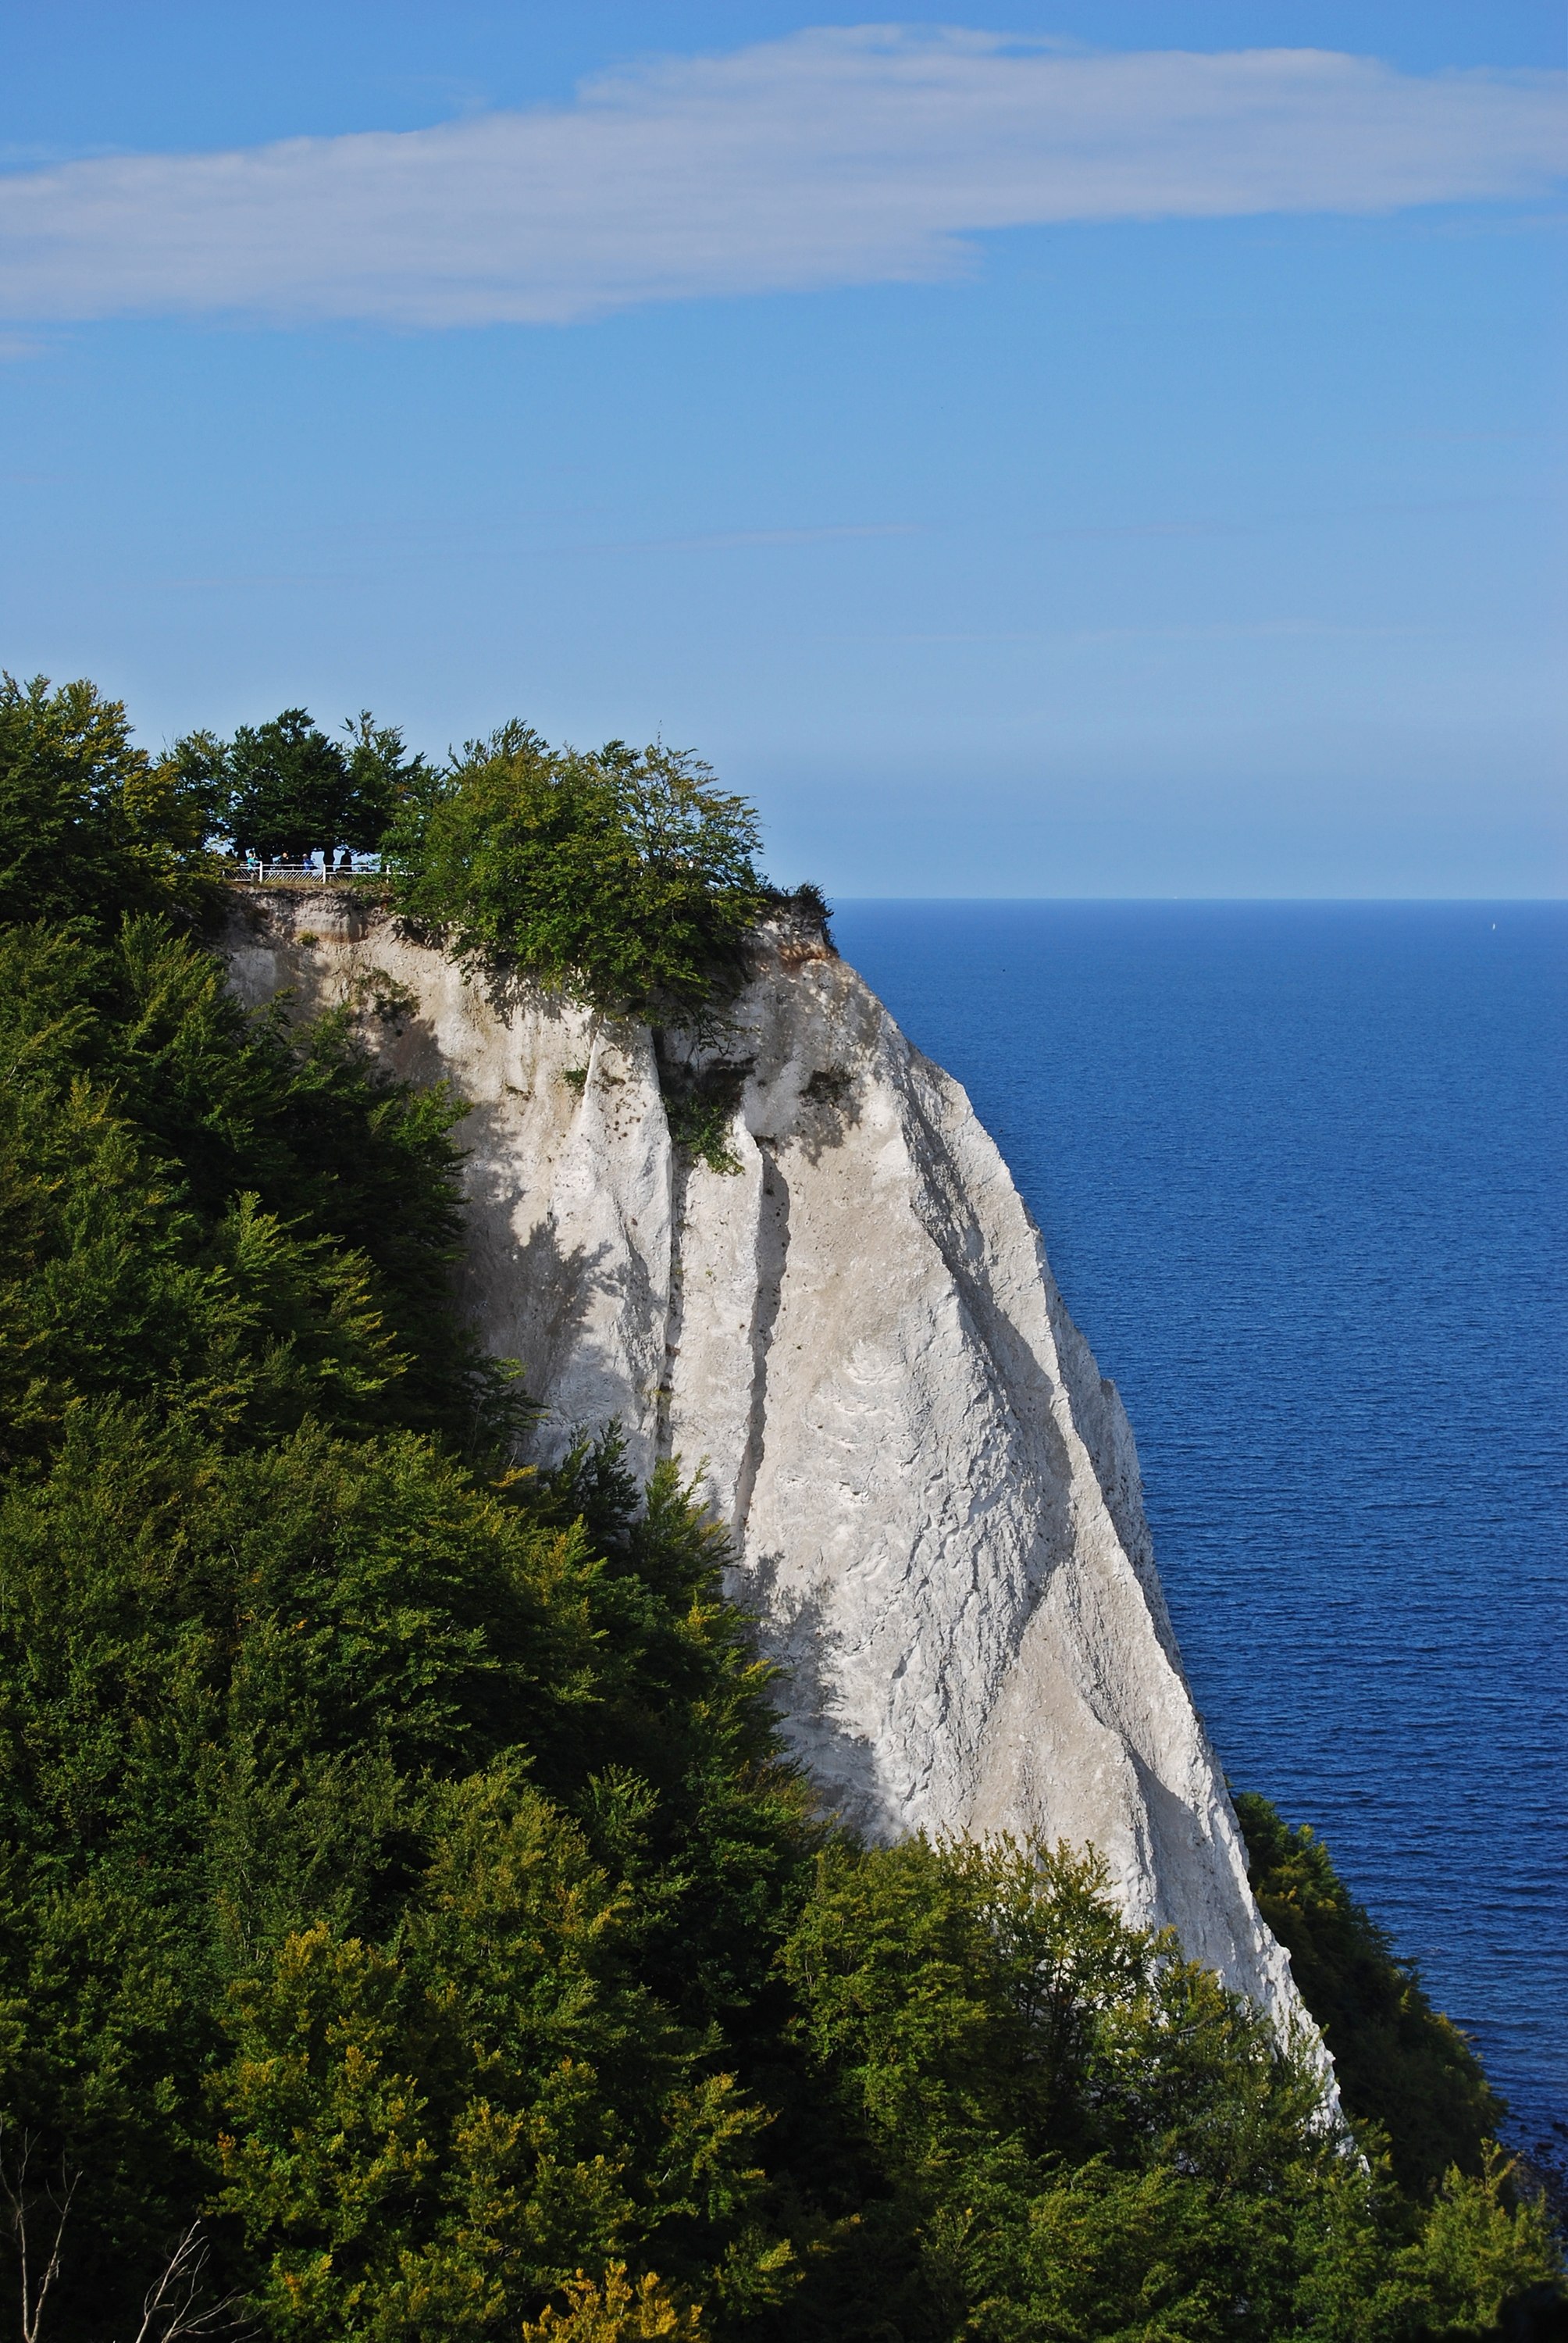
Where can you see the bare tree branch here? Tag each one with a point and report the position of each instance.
(13, 2184)
(170, 2308)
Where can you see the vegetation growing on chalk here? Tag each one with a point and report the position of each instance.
(628, 878)
(1399, 2062)
(404, 1898)
(699, 1104)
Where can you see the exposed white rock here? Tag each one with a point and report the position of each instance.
(855, 1339)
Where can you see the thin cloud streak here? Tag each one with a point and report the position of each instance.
(833, 157)
(1264, 524)
(739, 540)
(268, 577)
(1216, 630)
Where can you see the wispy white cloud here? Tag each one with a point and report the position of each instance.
(833, 157)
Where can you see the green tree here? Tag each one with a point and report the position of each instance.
(1399, 2062)
(628, 878)
(202, 1210)
(1064, 2122)
(1058, 2128)
(289, 787)
(331, 1884)
(383, 780)
(436, 2140)
(89, 826)
(1478, 2253)
(286, 788)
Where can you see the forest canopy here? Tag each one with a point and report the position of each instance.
(410, 1926)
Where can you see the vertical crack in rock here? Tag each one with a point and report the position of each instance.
(675, 1308)
(772, 1252)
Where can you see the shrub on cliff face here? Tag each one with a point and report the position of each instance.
(1399, 2061)
(626, 879)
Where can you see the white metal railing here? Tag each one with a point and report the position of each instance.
(262, 870)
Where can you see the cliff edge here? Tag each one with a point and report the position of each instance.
(853, 1336)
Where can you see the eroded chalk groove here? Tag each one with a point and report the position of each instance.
(773, 1254)
(675, 1307)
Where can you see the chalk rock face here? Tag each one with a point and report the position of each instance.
(853, 1338)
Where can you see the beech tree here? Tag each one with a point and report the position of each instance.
(628, 878)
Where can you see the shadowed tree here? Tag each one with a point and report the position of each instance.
(289, 787)
(288, 790)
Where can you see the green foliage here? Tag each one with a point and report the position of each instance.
(447, 2135)
(286, 788)
(1054, 2126)
(402, 1891)
(200, 1211)
(374, 1844)
(89, 826)
(1070, 2130)
(626, 879)
(616, 2310)
(699, 1106)
(1478, 2253)
(1400, 2063)
(383, 779)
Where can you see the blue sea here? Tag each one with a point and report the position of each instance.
(1303, 1172)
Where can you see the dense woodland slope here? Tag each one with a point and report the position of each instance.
(409, 1928)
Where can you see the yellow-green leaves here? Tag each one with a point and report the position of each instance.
(627, 880)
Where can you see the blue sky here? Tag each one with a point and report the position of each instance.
(1027, 460)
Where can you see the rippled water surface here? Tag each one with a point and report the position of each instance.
(1302, 1171)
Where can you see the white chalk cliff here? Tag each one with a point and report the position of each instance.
(856, 1340)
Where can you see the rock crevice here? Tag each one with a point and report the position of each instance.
(772, 1256)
